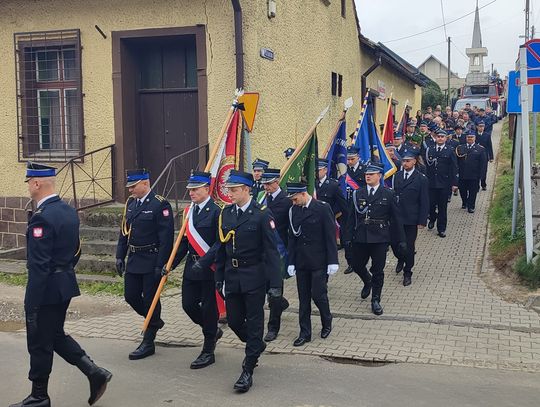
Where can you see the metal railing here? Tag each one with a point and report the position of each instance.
(171, 183)
(87, 180)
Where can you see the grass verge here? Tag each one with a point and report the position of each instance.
(507, 251)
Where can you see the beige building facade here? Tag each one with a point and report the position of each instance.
(146, 81)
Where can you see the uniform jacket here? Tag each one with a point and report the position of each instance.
(53, 250)
(441, 167)
(315, 246)
(330, 192)
(279, 209)
(358, 175)
(151, 224)
(472, 161)
(374, 219)
(256, 189)
(412, 197)
(206, 224)
(251, 242)
(484, 140)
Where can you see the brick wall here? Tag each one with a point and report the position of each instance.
(13, 221)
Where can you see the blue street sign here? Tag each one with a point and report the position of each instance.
(533, 61)
(513, 104)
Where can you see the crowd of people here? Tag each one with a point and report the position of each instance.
(244, 251)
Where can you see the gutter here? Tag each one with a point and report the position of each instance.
(377, 63)
(238, 43)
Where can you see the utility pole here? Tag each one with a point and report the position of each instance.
(449, 74)
(526, 20)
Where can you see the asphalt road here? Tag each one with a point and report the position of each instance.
(281, 380)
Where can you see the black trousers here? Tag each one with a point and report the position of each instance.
(411, 233)
(438, 205)
(45, 335)
(312, 285)
(276, 306)
(199, 303)
(483, 180)
(362, 252)
(245, 315)
(139, 291)
(468, 189)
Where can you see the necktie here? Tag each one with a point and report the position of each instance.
(238, 213)
(438, 149)
(197, 210)
(270, 198)
(406, 176)
(371, 191)
(138, 204)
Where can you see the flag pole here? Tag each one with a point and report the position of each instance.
(304, 141)
(364, 104)
(223, 131)
(347, 105)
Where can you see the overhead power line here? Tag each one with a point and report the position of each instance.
(439, 26)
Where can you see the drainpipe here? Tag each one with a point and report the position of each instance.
(378, 62)
(238, 43)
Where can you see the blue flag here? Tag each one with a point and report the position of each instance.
(337, 157)
(370, 145)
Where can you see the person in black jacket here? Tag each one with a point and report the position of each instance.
(146, 236)
(53, 250)
(412, 195)
(257, 191)
(484, 139)
(278, 204)
(199, 246)
(329, 191)
(441, 171)
(472, 162)
(373, 219)
(246, 260)
(312, 257)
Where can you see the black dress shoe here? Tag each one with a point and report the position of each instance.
(325, 332)
(244, 382)
(348, 270)
(463, 206)
(31, 401)
(98, 378)
(455, 193)
(300, 341)
(145, 349)
(270, 336)
(484, 188)
(407, 280)
(203, 360)
(431, 225)
(442, 234)
(376, 308)
(399, 266)
(365, 291)
(470, 210)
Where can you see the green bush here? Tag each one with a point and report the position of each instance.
(529, 272)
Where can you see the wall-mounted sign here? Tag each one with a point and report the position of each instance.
(267, 53)
(381, 88)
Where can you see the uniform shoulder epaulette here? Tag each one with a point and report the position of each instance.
(160, 198)
(481, 146)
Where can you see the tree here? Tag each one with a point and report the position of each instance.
(432, 95)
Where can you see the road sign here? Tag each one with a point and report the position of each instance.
(513, 104)
(533, 62)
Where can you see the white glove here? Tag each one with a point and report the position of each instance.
(291, 270)
(332, 269)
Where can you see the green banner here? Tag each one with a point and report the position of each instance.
(303, 165)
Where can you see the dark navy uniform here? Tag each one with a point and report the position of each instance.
(373, 219)
(246, 260)
(147, 238)
(278, 205)
(484, 139)
(472, 162)
(198, 285)
(412, 196)
(441, 170)
(312, 248)
(330, 192)
(358, 175)
(257, 190)
(53, 250)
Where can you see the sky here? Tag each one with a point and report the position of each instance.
(501, 24)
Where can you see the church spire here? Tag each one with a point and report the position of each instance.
(477, 35)
(477, 52)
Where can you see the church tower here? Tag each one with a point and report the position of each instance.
(477, 52)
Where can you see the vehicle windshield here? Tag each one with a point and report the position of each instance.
(480, 90)
(479, 103)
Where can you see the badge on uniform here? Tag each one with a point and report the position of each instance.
(165, 212)
(37, 232)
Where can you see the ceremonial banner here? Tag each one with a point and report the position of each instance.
(302, 166)
(388, 130)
